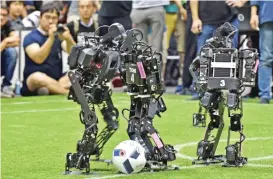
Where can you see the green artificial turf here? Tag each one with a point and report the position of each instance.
(37, 132)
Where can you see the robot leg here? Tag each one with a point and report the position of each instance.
(199, 119)
(85, 148)
(134, 128)
(206, 148)
(141, 129)
(87, 145)
(233, 151)
(110, 116)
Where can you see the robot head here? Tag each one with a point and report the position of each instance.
(222, 36)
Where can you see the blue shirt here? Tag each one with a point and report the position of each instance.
(265, 10)
(52, 66)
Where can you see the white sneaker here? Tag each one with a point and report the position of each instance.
(4, 95)
(8, 90)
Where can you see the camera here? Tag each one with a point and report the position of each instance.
(60, 29)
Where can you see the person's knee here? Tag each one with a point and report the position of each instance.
(36, 80)
(64, 81)
(11, 53)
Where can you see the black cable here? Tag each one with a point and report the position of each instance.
(122, 112)
(135, 34)
(81, 117)
(103, 26)
(232, 33)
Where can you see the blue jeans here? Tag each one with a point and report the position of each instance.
(207, 32)
(8, 62)
(266, 60)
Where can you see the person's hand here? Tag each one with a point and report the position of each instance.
(52, 30)
(196, 27)
(235, 3)
(97, 5)
(65, 35)
(12, 41)
(254, 22)
(183, 14)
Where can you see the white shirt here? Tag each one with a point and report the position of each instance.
(149, 3)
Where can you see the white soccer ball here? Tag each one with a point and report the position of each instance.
(129, 157)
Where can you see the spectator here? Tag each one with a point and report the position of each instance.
(115, 11)
(190, 54)
(73, 13)
(32, 20)
(17, 12)
(264, 23)
(32, 5)
(175, 17)
(43, 58)
(63, 7)
(86, 26)
(150, 13)
(9, 40)
(206, 20)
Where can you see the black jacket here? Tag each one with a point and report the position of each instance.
(115, 8)
(216, 12)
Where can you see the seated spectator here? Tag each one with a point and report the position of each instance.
(32, 20)
(17, 12)
(9, 40)
(43, 58)
(32, 5)
(63, 7)
(86, 26)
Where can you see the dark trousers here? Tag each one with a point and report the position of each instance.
(125, 21)
(191, 48)
(8, 63)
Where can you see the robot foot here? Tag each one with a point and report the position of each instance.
(239, 162)
(77, 161)
(213, 160)
(153, 166)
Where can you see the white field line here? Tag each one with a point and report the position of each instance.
(259, 165)
(35, 102)
(244, 103)
(126, 175)
(180, 155)
(41, 110)
(181, 168)
(52, 110)
(120, 99)
(261, 158)
(48, 101)
(179, 147)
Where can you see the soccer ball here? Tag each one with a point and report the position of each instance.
(129, 157)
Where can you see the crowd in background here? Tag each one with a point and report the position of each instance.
(189, 23)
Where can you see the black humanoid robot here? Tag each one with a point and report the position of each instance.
(95, 63)
(221, 73)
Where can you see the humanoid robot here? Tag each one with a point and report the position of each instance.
(95, 63)
(221, 73)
